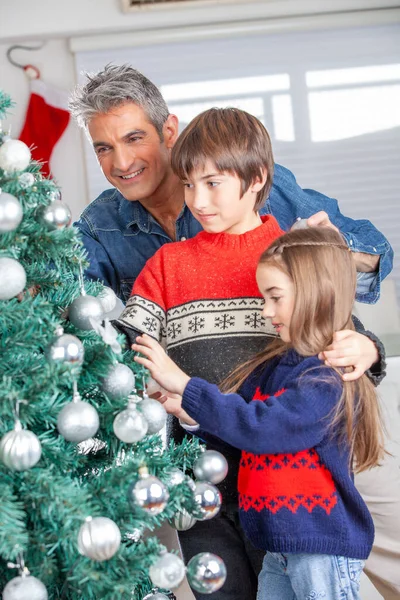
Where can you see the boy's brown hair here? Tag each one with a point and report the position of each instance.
(235, 141)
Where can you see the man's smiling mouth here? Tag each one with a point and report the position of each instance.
(132, 175)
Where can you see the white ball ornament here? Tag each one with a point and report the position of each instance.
(12, 278)
(26, 180)
(175, 476)
(211, 466)
(25, 587)
(154, 413)
(99, 538)
(14, 156)
(168, 571)
(130, 426)
(10, 212)
(206, 573)
(20, 449)
(119, 382)
(208, 498)
(84, 308)
(66, 348)
(78, 421)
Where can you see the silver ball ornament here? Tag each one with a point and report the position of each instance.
(183, 520)
(108, 299)
(20, 449)
(155, 595)
(206, 573)
(84, 308)
(130, 426)
(25, 587)
(211, 466)
(175, 476)
(26, 180)
(78, 421)
(119, 382)
(300, 224)
(12, 278)
(66, 348)
(208, 498)
(14, 156)
(56, 215)
(154, 413)
(99, 538)
(10, 212)
(168, 571)
(149, 493)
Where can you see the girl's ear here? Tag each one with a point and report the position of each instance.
(259, 182)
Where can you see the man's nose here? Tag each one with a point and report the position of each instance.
(123, 159)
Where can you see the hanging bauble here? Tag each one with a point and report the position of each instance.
(78, 421)
(14, 156)
(10, 212)
(154, 413)
(206, 573)
(211, 466)
(168, 571)
(130, 425)
(66, 348)
(108, 299)
(12, 278)
(119, 382)
(54, 195)
(26, 180)
(175, 476)
(25, 587)
(300, 224)
(208, 498)
(99, 538)
(182, 520)
(56, 215)
(20, 449)
(148, 493)
(84, 308)
(155, 595)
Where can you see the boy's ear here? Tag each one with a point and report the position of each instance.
(259, 182)
(171, 131)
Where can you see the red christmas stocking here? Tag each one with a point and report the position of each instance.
(46, 119)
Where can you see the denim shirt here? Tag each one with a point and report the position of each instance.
(121, 235)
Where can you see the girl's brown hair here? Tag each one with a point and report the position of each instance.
(232, 139)
(324, 277)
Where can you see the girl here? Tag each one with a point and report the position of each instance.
(300, 427)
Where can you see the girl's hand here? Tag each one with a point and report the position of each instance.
(350, 349)
(161, 367)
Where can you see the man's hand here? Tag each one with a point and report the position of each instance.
(321, 219)
(350, 349)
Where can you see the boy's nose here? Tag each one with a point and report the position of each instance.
(199, 201)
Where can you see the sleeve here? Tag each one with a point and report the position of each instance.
(378, 371)
(293, 421)
(145, 310)
(100, 265)
(288, 200)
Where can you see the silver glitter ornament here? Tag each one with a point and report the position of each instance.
(130, 425)
(10, 212)
(154, 413)
(175, 476)
(66, 348)
(84, 308)
(206, 573)
(56, 215)
(108, 299)
(119, 382)
(182, 520)
(54, 195)
(211, 466)
(14, 156)
(26, 180)
(78, 421)
(148, 493)
(99, 538)
(155, 595)
(20, 449)
(168, 571)
(208, 498)
(12, 278)
(25, 587)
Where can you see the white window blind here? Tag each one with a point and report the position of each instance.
(330, 100)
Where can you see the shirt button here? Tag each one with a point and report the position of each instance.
(374, 249)
(351, 242)
(183, 238)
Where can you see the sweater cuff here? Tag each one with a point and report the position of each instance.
(378, 371)
(191, 399)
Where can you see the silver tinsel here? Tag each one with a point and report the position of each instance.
(148, 493)
(20, 449)
(12, 278)
(56, 215)
(10, 212)
(25, 587)
(130, 425)
(211, 466)
(208, 498)
(206, 573)
(119, 382)
(168, 571)
(84, 308)
(154, 413)
(183, 520)
(78, 421)
(14, 156)
(66, 348)
(99, 538)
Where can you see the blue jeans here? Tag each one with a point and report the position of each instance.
(309, 577)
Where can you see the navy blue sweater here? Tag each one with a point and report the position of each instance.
(296, 492)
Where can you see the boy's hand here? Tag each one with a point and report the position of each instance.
(350, 349)
(161, 367)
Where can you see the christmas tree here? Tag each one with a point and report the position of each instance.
(84, 475)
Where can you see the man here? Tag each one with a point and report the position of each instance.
(133, 134)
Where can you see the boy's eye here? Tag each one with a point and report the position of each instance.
(188, 185)
(212, 183)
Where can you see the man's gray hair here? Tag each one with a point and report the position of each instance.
(113, 86)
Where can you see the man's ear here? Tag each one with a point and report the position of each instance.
(259, 182)
(171, 131)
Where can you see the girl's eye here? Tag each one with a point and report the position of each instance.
(275, 298)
